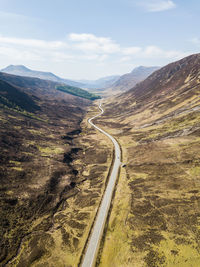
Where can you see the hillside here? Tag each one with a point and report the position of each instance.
(101, 83)
(13, 98)
(36, 83)
(129, 80)
(155, 215)
(24, 71)
(51, 165)
(110, 84)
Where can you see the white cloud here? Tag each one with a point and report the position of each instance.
(156, 5)
(13, 53)
(154, 51)
(196, 41)
(126, 59)
(33, 43)
(131, 50)
(84, 37)
(91, 43)
(88, 48)
(14, 16)
(82, 50)
(33, 49)
(149, 52)
(95, 57)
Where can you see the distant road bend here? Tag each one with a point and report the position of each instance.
(89, 258)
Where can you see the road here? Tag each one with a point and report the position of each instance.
(89, 258)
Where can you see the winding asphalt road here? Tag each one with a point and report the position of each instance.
(89, 258)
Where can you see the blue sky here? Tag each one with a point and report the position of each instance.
(88, 39)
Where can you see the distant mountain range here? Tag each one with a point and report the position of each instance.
(129, 80)
(24, 71)
(112, 84)
(31, 83)
(86, 84)
(100, 83)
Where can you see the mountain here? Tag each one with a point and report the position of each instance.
(100, 83)
(112, 84)
(173, 79)
(11, 97)
(34, 83)
(157, 124)
(129, 80)
(24, 71)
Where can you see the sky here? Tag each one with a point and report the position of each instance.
(89, 39)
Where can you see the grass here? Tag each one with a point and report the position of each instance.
(15, 162)
(66, 232)
(160, 190)
(116, 250)
(50, 150)
(195, 171)
(180, 255)
(23, 112)
(17, 168)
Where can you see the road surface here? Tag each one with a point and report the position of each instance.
(89, 258)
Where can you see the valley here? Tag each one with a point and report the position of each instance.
(53, 173)
(55, 168)
(89, 257)
(100, 133)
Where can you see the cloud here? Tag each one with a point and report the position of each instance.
(156, 5)
(134, 50)
(154, 51)
(148, 52)
(17, 18)
(33, 49)
(16, 54)
(86, 47)
(81, 48)
(32, 43)
(196, 41)
(91, 43)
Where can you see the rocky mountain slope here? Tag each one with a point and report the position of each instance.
(52, 173)
(129, 80)
(155, 215)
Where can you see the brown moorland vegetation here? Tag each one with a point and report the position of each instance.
(155, 219)
(53, 170)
